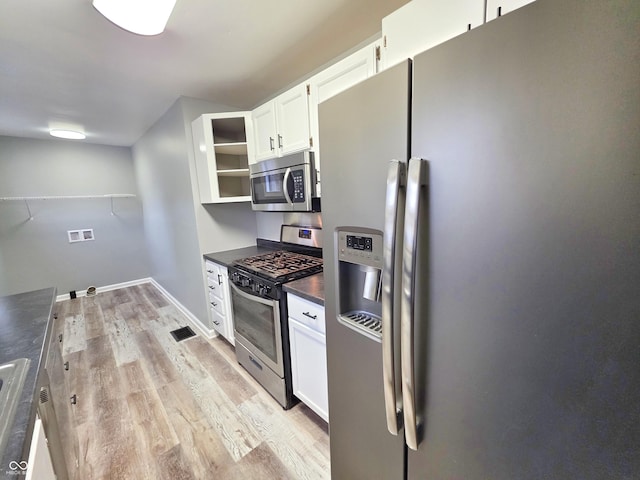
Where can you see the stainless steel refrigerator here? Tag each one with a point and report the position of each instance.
(483, 298)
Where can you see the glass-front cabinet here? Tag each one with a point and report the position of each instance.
(223, 150)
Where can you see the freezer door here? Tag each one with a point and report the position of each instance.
(530, 125)
(361, 130)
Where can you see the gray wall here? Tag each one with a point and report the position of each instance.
(178, 228)
(36, 253)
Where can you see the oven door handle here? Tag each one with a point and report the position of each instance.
(253, 298)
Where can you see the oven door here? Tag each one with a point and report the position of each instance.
(257, 326)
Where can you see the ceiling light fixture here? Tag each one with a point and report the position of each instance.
(68, 134)
(144, 17)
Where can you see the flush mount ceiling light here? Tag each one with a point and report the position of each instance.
(68, 134)
(144, 17)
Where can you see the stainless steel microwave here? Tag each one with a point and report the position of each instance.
(285, 184)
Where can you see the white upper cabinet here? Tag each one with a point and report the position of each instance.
(281, 126)
(497, 8)
(223, 150)
(335, 79)
(422, 24)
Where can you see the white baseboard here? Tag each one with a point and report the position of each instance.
(195, 322)
(106, 288)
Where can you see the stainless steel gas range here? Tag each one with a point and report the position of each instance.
(260, 307)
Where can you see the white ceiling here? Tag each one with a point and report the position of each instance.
(61, 61)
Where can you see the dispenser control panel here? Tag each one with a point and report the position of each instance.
(362, 246)
(360, 243)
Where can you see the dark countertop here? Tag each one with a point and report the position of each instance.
(310, 288)
(227, 257)
(24, 328)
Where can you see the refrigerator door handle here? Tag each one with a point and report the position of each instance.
(415, 180)
(396, 179)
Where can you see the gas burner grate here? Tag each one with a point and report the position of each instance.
(281, 263)
(182, 334)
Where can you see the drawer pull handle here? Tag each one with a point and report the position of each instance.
(60, 338)
(66, 366)
(74, 399)
(219, 279)
(307, 314)
(216, 322)
(212, 287)
(214, 304)
(209, 271)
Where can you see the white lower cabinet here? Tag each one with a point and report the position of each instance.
(219, 300)
(497, 8)
(308, 354)
(39, 466)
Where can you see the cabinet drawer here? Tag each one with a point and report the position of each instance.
(211, 268)
(306, 312)
(216, 304)
(218, 322)
(215, 288)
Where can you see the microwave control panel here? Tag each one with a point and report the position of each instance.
(298, 186)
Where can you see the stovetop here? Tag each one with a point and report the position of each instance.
(280, 265)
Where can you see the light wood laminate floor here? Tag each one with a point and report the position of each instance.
(149, 407)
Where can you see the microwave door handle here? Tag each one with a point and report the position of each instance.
(285, 186)
(396, 179)
(415, 182)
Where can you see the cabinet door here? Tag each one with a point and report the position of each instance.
(264, 130)
(422, 24)
(333, 80)
(309, 367)
(292, 113)
(497, 8)
(223, 148)
(202, 142)
(39, 466)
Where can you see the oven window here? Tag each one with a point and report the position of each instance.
(269, 188)
(255, 322)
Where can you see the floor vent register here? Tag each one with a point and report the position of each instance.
(182, 333)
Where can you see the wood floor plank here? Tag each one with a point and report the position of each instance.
(93, 317)
(200, 444)
(125, 348)
(173, 465)
(74, 338)
(260, 463)
(237, 388)
(154, 296)
(151, 422)
(290, 446)
(134, 377)
(156, 361)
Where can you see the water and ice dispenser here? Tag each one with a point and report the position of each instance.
(359, 278)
